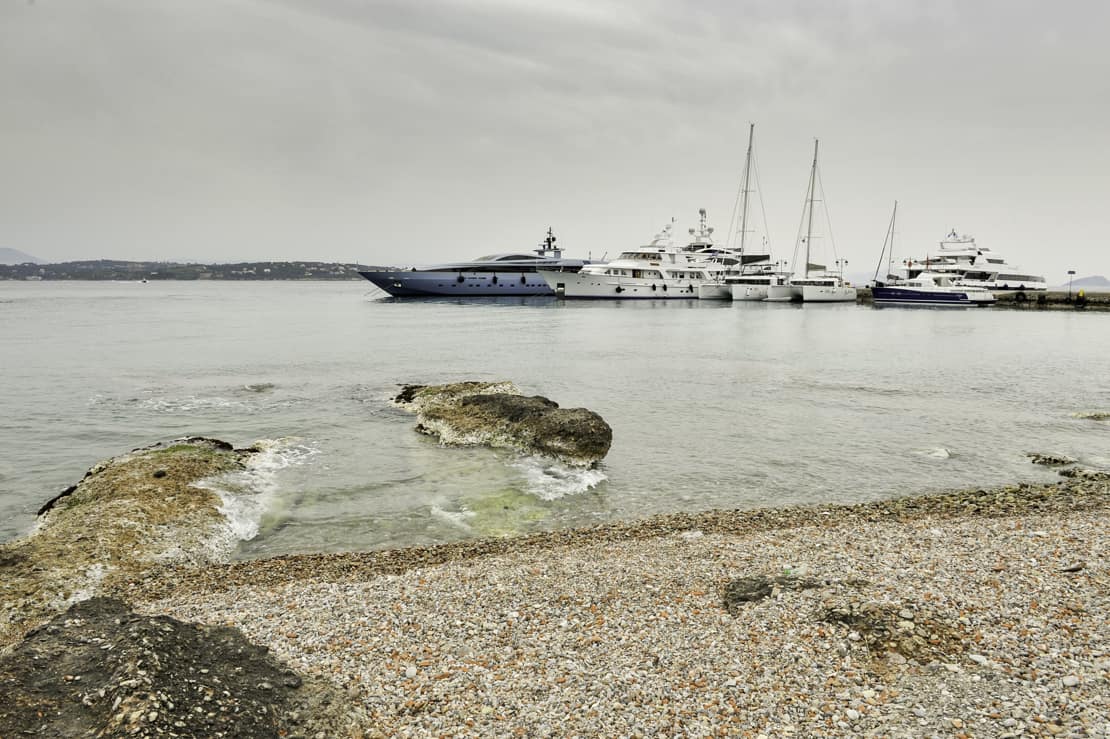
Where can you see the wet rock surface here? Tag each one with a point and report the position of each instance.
(101, 670)
(498, 415)
(127, 514)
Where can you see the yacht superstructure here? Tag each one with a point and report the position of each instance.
(969, 264)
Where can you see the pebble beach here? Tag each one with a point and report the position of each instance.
(978, 613)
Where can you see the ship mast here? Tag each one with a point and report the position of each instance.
(888, 239)
(744, 193)
(809, 226)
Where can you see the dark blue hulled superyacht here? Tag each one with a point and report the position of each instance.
(511, 273)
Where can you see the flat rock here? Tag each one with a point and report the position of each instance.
(101, 670)
(497, 414)
(127, 514)
(741, 590)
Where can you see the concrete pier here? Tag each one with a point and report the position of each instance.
(1029, 300)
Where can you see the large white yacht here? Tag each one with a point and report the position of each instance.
(656, 270)
(971, 265)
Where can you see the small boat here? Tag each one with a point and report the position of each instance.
(925, 288)
(493, 275)
(930, 289)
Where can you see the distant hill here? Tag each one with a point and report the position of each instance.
(1094, 283)
(12, 256)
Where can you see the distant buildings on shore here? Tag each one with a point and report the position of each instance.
(109, 269)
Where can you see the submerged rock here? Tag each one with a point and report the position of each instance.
(101, 670)
(1093, 415)
(126, 515)
(497, 414)
(1050, 460)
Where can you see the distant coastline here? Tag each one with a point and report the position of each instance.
(111, 269)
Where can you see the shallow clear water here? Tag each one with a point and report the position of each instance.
(713, 405)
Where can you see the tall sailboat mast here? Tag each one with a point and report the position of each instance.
(888, 240)
(890, 260)
(812, 183)
(745, 191)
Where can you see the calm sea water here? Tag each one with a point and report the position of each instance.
(713, 405)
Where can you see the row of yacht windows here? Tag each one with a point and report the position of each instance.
(992, 277)
(651, 274)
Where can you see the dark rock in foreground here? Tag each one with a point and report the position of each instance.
(101, 670)
(496, 414)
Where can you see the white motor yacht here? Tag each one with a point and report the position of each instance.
(971, 265)
(655, 270)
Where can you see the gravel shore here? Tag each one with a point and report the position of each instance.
(979, 613)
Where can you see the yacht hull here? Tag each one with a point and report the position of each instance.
(783, 294)
(714, 291)
(828, 294)
(749, 292)
(408, 283)
(928, 298)
(576, 285)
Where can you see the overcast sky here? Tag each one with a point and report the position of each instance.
(415, 131)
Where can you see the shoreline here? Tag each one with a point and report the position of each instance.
(1067, 495)
(967, 613)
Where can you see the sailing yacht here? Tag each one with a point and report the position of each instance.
(816, 284)
(743, 280)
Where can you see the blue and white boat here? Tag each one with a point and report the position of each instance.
(930, 289)
(923, 287)
(492, 275)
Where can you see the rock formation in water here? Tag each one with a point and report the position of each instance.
(126, 515)
(497, 414)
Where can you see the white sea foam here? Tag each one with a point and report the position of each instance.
(191, 403)
(549, 480)
(247, 495)
(455, 518)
